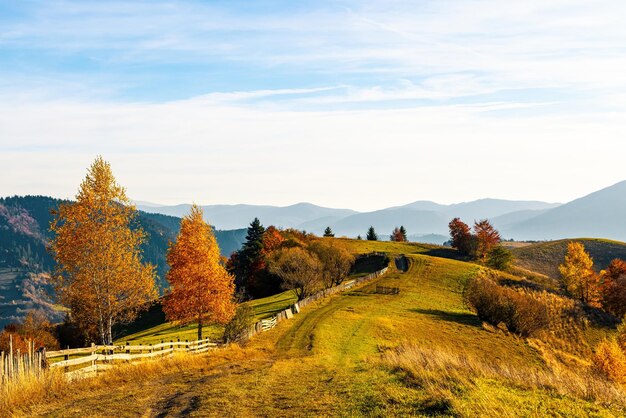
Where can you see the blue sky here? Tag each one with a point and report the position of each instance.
(361, 104)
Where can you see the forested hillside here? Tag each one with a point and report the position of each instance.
(25, 261)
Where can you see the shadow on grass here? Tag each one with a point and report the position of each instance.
(446, 252)
(458, 317)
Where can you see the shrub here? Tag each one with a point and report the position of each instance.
(610, 361)
(235, 330)
(520, 310)
(499, 258)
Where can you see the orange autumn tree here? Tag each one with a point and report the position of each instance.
(201, 290)
(100, 274)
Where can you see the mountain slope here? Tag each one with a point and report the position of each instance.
(25, 262)
(599, 214)
(545, 257)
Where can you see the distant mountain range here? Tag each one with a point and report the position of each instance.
(599, 214)
(425, 221)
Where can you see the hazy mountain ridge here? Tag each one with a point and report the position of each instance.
(597, 215)
(420, 218)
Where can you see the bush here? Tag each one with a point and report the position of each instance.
(499, 258)
(610, 361)
(520, 310)
(236, 329)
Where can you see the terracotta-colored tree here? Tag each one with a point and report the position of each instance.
(397, 235)
(579, 278)
(100, 274)
(201, 290)
(461, 236)
(613, 288)
(487, 237)
(272, 240)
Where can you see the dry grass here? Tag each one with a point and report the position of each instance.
(18, 398)
(446, 376)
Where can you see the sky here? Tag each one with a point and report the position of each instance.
(355, 104)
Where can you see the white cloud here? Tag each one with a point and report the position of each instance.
(375, 104)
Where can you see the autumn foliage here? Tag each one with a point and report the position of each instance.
(398, 234)
(613, 288)
(487, 237)
(100, 274)
(580, 280)
(35, 327)
(201, 290)
(336, 260)
(300, 270)
(461, 236)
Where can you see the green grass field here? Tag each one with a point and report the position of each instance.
(418, 353)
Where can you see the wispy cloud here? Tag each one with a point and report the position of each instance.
(222, 92)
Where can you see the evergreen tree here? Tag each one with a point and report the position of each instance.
(245, 260)
(403, 233)
(371, 234)
(328, 232)
(359, 237)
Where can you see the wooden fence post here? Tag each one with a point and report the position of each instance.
(67, 357)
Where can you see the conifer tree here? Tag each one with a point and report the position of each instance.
(403, 233)
(328, 232)
(100, 274)
(247, 261)
(371, 234)
(201, 288)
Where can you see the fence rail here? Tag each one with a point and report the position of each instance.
(387, 290)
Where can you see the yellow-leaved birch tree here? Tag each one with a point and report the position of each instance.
(100, 274)
(201, 290)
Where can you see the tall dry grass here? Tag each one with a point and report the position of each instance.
(19, 397)
(445, 374)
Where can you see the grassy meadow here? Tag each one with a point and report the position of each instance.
(358, 353)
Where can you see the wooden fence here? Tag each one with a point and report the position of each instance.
(18, 366)
(387, 290)
(267, 324)
(85, 361)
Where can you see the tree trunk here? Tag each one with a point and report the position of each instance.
(109, 331)
(199, 328)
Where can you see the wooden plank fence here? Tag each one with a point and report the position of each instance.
(15, 366)
(387, 290)
(92, 359)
